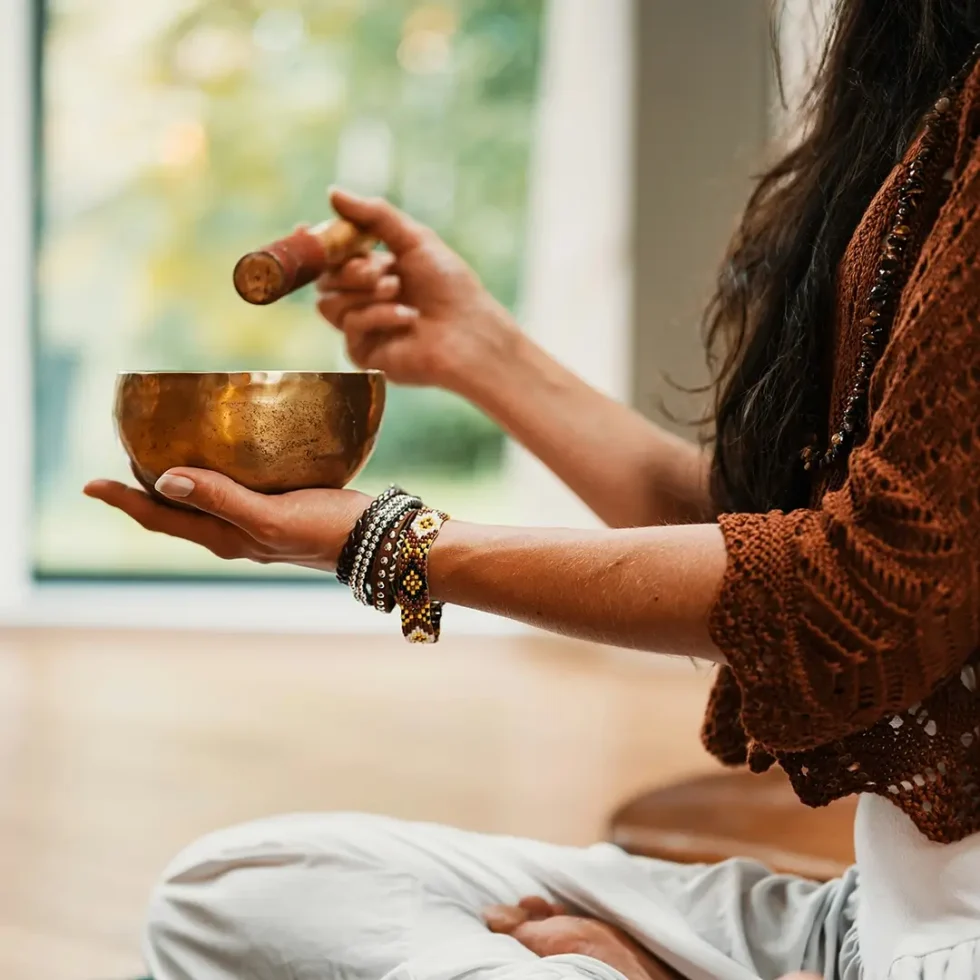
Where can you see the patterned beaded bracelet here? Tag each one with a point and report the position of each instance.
(421, 615)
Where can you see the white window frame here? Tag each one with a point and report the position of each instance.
(587, 75)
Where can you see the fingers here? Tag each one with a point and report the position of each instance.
(215, 494)
(390, 351)
(334, 305)
(540, 937)
(379, 317)
(541, 908)
(378, 335)
(210, 533)
(360, 273)
(379, 218)
(359, 282)
(505, 918)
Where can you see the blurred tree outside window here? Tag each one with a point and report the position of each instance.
(177, 134)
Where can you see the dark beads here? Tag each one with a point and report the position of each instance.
(883, 293)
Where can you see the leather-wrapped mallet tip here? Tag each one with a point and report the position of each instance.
(260, 278)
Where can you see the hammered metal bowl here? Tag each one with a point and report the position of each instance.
(270, 431)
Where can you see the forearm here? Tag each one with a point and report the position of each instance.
(646, 589)
(629, 471)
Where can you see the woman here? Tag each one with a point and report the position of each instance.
(827, 556)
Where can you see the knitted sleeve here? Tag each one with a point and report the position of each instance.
(833, 618)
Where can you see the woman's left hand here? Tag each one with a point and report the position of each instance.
(307, 527)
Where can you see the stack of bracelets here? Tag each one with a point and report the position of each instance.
(385, 561)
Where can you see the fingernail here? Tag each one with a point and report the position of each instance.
(504, 918)
(389, 286)
(406, 311)
(334, 189)
(174, 486)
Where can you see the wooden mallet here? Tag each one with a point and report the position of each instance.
(264, 276)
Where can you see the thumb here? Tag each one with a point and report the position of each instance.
(380, 218)
(216, 494)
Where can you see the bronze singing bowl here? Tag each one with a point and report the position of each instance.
(271, 431)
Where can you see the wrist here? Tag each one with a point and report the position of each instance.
(356, 505)
(448, 552)
(492, 373)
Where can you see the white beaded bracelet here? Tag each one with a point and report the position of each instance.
(382, 521)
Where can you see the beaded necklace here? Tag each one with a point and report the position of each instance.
(893, 270)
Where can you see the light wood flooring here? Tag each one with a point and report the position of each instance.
(118, 748)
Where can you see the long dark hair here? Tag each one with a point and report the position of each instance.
(770, 323)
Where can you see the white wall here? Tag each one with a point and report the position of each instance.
(702, 122)
(577, 302)
(801, 37)
(15, 277)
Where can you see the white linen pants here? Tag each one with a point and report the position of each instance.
(353, 897)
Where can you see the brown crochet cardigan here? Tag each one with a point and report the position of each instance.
(851, 630)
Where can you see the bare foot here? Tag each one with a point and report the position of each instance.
(547, 929)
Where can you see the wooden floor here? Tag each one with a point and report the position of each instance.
(117, 749)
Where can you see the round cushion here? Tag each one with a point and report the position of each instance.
(739, 814)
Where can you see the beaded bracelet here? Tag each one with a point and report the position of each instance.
(380, 525)
(380, 585)
(345, 564)
(421, 615)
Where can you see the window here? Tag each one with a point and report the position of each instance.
(175, 136)
(546, 176)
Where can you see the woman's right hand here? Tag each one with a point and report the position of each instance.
(421, 315)
(417, 312)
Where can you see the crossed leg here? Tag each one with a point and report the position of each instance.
(356, 897)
